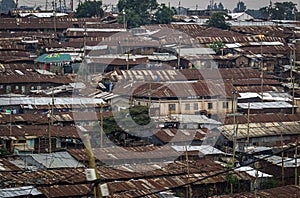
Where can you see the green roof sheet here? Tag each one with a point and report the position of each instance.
(53, 58)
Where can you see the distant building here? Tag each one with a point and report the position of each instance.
(241, 16)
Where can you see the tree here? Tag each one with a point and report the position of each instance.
(215, 6)
(137, 12)
(7, 5)
(281, 11)
(217, 47)
(220, 7)
(217, 20)
(89, 9)
(164, 15)
(240, 7)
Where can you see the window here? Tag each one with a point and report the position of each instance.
(1, 86)
(17, 87)
(8, 89)
(210, 105)
(196, 107)
(225, 105)
(172, 107)
(187, 106)
(39, 87)
(23, 89)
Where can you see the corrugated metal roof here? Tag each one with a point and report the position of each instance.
(56, 160)
(191, 90)
(182, 135)
(237, 76)
(195, 51)
(203, 149)
(57, 117)
(19, 191)
(129, 153)
(8, 75)
(283, 191)
(277, 161)
(252, 172)
(39, 131)
(6, 165)
(48, 100)
(266, 105)
(79, 190)
(260, 129)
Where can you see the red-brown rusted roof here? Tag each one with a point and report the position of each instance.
(283, 191)
(39, 131)
(6, 166)
(272, 30)
(57, 117)
(9, 75)
(263, 118)
(167, 135)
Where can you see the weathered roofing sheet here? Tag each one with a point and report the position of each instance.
(283, 191)
(56, 160)
(260, 129)
(19, 191)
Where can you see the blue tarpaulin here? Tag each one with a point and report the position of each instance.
(54, 58)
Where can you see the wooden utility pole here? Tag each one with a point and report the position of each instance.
(248, 124)
(49, 132)
(54, 17)
(92, 163)
(190, 194)
(127, 65)
(256, 166)
(261, 36)
(236, 128)
(179, 49)
(84, 40)
(101, 126)
(293, 97)
(150, 93)
(282, 160)
(296, 165)
(10, 133)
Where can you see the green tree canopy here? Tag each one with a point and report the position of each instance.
(217, 20)
(280, 11)
(137, 12)
(89, 9)
(164, 15)
(217, 47)
(240, 7)
(220, 6)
